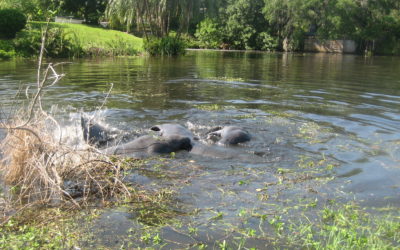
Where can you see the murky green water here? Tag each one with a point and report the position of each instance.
(325, 127)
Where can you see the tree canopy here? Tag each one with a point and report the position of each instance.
(239, 24)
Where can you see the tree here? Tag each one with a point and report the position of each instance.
(34, 9)
(154, 16)
(11, 21)
(209, 34)
(243, 22)
(377, 25)
(90, 10)
(291, 20)
(123, 12)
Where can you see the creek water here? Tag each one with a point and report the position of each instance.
(324, 127)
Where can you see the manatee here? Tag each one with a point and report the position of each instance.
(169, 129)
(199, 148)
(95, 133)
(229, 135)
(150, 145)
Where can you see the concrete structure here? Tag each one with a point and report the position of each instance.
(312, 44)
(63, 19)
(104, 24)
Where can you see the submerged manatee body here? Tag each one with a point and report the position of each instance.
(149, 145)
(98, 135)
(171, 138)
(229, 135)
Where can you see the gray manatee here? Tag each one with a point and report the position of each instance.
(150, 145)
(96, 134)
(169, 129)
(229, 135)
(199, 148)
(172, 129)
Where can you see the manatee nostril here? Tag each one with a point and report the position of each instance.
(155, 128)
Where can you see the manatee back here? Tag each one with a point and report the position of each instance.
(150, 145)
(232, 135)
(171, 144)
(171, 129)
(235, 137)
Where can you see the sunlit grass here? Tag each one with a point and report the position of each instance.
(96, 37)
(102, 37)
(349, 227)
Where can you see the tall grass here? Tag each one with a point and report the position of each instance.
(165, 46)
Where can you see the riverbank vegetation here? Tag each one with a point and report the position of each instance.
(264, 24)
(43, 178)
(70, 40)
(229, 24)
(52, 194)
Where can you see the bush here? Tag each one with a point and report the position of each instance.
(11, 21)
(27, 43)
(6, 54)
(190, 41)
(58, 43)
(6, 45)
(208, 33)
(168, 46)
(266, 42)
(120, 47)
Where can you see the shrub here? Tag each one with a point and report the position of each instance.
(6, 45)
(58, 43)
(11, 21)
(190, 41)
(168, 46)
(120, 47)
(208, 33)
(27, 43)
(266, 42)
(6, 54)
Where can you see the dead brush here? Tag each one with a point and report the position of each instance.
(39, 169)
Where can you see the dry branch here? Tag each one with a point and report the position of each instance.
(41, 170)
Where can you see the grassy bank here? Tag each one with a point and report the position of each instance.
(70, 40)
(94, 37)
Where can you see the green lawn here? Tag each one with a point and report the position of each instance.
(92, 38)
